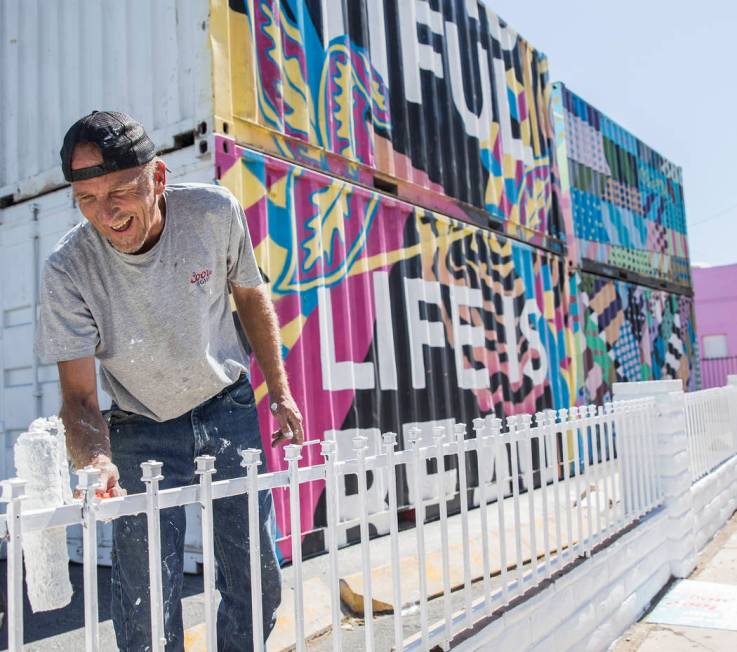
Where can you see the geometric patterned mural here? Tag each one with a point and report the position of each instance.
(634, 333)
(622, 202)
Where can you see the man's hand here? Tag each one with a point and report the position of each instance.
(288, 417)
(109, 477)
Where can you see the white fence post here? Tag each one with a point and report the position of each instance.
(293, 454)
(206, 469)
(89, 483)
(359, 447)
(413, 435)
(328, 450)
(673, 465)
(251, 459)
(14, 491)
(151, 477)
(389, 444)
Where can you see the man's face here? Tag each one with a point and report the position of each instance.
(121, 205)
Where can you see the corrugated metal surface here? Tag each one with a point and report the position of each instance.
(393, 315)
(621, 201)
(441, 102)
(55, 215)
(632, 333)
(60, 60)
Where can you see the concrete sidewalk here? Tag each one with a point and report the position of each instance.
(716, 572)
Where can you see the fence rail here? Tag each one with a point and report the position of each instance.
(711, 422)
(551, 488)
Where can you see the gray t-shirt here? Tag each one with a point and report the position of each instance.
(160, 323)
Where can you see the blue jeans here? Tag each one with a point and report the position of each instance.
(221, 427)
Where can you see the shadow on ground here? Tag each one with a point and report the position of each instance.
(49, 623)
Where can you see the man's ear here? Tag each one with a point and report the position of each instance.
(159, 177)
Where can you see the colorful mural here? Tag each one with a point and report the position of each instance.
(622, 203)
(392, 315)
(395, 163)
(634, 333)
(441, 103)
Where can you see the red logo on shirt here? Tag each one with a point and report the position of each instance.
(200, 278)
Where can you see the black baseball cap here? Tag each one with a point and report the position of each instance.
(122, 140)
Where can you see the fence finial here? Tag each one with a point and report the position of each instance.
(151, 471)
(204, 464)
(88, 481)
(327, 448)
(495, 425)
(14, 489)
(292, 452)
(250, 456)
(413, 434)
(389, 439)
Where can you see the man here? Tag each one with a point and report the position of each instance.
(142, 285)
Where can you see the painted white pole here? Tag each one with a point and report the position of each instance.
(151, 477)
(566, 455)
(612, 465)
(293, 454)
(419, 464)
(13, 493)
(206, 469)
(252, 460)
(459, 431)
(604, 468)
(390, 441)
(552, 445)
(542, 457)
(525, 420)
(328, 452)
(573, 424)
(484, 470)
(439, 435)
(587, 475)
(494, 424)
(514, 439)
(89, 483)
(359, 447)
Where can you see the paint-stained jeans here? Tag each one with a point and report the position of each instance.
(220, 427)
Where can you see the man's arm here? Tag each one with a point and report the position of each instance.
(87, 436)
(259, 321)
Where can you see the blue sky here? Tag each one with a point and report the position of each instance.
(665, 70)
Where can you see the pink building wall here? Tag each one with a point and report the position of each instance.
(715, 290)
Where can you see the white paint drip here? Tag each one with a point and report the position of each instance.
(41, 460)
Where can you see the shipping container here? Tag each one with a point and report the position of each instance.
(396, 165)
(61, 60)
(395, 316)
(392, 315)
(440, 103)
(621, 202)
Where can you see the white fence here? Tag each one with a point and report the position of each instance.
(711, 416)
(588, 472)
